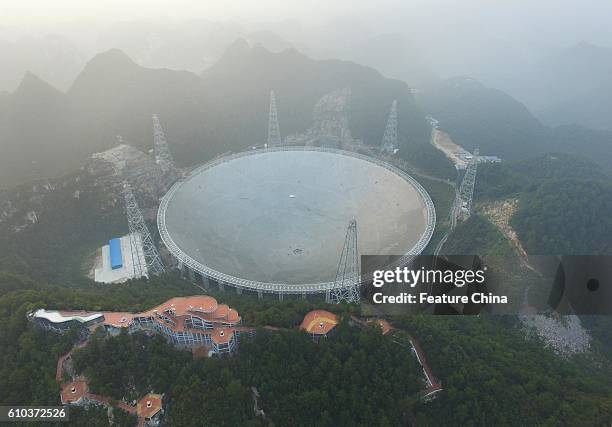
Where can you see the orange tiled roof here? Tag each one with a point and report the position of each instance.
(319, 322)
(221, 311)
(221, 335)
(183, 305)
(196, 304)
(149, 405)
(73, 391)
(118, 319)
(232, 316)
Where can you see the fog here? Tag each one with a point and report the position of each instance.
(498, 42)
(542, 21)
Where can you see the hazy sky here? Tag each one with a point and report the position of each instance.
(554, 20)
(26, 12)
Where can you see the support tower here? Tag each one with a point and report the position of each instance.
(138, 230)
(389, 142)
(274, 137)
(346, 285)
(163, 157)
(466, 190)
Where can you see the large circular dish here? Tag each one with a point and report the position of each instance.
(275, 220)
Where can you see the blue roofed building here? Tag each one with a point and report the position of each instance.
(121, 259)
(116, 256)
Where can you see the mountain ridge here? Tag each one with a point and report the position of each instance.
(223, 109)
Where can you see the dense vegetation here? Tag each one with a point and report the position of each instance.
(297, 380)
(510, 179)
(490, 373)
(424, 157)
(563, 200)
(566, 217)
(73, 216)
(492, 376)
(129, 366)
(478, 236)
(354, 378)
(506, 274)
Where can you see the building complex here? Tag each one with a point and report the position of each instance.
(195, 321)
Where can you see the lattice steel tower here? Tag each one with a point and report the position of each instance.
(163, 157)
(274, 137)
(346, 285)
(389, 142)
(466, 190)
(138, 230)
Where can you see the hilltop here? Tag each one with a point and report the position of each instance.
(223, 109)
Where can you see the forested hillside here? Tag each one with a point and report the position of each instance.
(506, 273)
(33, 132)
(207, 389)
(48, 229)
(566, 216)
(563, 200)
(29, 356)
(474, 358)
(297, 379)
(480, 117)
(492, 376)
(514, 177)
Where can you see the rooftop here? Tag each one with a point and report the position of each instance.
(66, 316)
(319, 322)
(221, 336)
(221, 311)
(149, 405)
(73, 391)
(232, 316)
(184, 305)
(118, 319)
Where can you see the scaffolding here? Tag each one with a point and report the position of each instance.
(274, 137)
(466, 190)
(163, 157)
(138, 230)
(346, 285)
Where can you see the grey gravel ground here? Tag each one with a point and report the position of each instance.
(563, 334)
